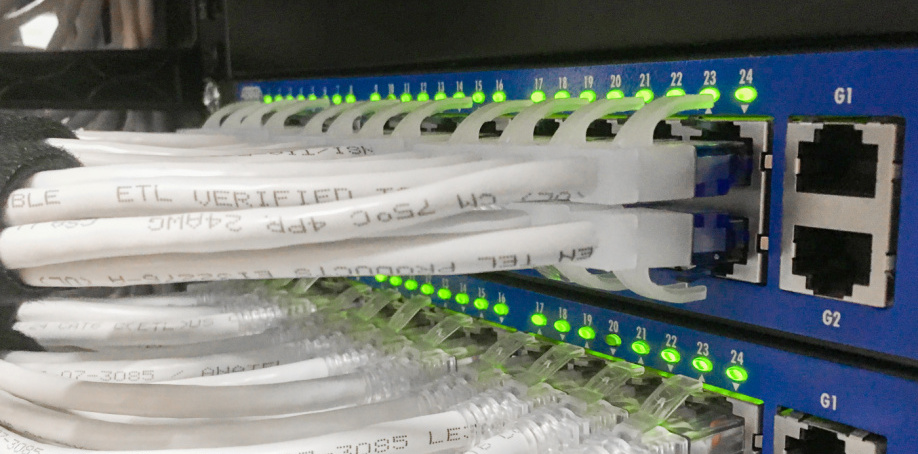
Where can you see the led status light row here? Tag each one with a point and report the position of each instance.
(745, 94)
(670, 355)
(444, 294)
(641, 347)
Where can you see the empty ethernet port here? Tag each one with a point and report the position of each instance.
(832, 261)
(837, 162)
(799, 433)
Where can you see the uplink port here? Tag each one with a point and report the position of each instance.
(837, 162)
(841, 208)
(832, 261)
(799, 433)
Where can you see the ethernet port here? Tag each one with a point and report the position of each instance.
(837, 162)
(840, 212)
(799, 433)
(832, 261)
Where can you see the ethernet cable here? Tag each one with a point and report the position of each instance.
(195, 401)
(169, 195)
(159, 332)
(452, 429)
(87, 433)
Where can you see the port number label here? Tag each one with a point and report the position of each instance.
(645, 79)
(671, 340)
(539, 81)
(641, 333)
(616, 81)
(562, 313)
(588, 319)
(736, 357)
(843, 95)
(831, 318)
(676, 79)
(745, 76)
(703, 348)
(562, 82)
(710, 78)
(613, 326)
(829, 401)
(587, 81)
(540, 307)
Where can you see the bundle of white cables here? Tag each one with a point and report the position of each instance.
(245, 198)
(336, 369)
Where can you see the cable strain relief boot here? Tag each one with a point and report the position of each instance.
(18, 162)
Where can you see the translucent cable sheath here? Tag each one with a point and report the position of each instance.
(148, 196)
(443, 255)
(266, 228)
(61, 310)
(159, 400)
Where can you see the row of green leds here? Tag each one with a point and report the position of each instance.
(443, 293)
(641, 347)
(745, 94)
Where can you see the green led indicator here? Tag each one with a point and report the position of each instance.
(613, 340)
(562, 94)
(268, 99)
(278, 98)
(589, 95)
(640, 347)
(411, 284)
(312, 97)
(289, 97)
(675, 91)
(671, 355)
(405, 97)
(539, 319)
(427, 289)
(646, 94)
(375, 96)
(537, 96)
(381, 277)
(300, 97)
(439, 95)
(501, 309)
(562, 326)
(479, 97)
(615, 94)
(458, 95)
(462, 298)
(350, 98)
(336, 99)
(444, 293)
(481, 304)
(713, 91)
(737, 374)
(395, 281)
(746, 94)
(423, 96)
(586, 333)
(391, 97)
(702, 364)
(499, 96)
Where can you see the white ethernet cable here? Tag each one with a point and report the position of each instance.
(388, 380)
(266, 228)
(87, 433)
(90, 334)
(455, 429)
(167, 195)
(442, 254)
(138, 370)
